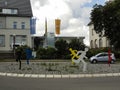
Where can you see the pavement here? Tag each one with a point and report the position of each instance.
(58, 70)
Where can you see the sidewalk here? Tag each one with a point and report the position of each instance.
(57, 70)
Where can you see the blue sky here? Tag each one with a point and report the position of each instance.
(102, 2)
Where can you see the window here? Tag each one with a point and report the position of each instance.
(22, 25)
(2, 40)
(20, 39)
(96, 43)
(9, 11)
(107, 43)
(6, 11)
(14, 25)
(92, 32)
(91, 43)
(13, 11)
(100, 42)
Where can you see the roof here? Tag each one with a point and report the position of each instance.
(23, 7)
(90, 23)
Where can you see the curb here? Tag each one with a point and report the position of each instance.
(59, 75)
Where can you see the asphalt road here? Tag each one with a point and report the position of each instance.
(99, 83)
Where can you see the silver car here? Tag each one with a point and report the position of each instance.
(102, 57)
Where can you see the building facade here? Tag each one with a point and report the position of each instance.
(15, 18)
(97, 41)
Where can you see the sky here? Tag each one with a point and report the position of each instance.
(74, 15)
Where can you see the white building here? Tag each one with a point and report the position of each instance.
(96, 41)
(14, 23)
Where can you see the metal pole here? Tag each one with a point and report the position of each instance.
(14, 45)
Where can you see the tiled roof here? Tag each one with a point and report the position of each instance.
(23, 6)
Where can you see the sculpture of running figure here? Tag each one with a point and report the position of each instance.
(80, 58)
(73, 54)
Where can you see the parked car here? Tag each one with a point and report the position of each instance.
(102, 57)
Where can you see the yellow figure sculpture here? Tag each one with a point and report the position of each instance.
(73, 54)
(76, 58)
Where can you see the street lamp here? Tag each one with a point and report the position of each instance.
(14, 44)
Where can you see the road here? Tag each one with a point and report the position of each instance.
(99, 83)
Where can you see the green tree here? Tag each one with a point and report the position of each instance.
(107, 18)
(51, 53)
(62, 48)
(22, 49)
(37, 42)
(76, 44)
(41, 53)
(46, 53)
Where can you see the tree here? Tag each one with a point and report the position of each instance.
(107, 18)
(76, 44)
(62, 48)
(22, 49)
(37, 42)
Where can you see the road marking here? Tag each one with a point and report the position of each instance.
(49, 76)
(27, 75)
(65, 76)
(3, 74)
(74, 76)
(58, 76)
(34, 75)
(41, 75)
(20, 75)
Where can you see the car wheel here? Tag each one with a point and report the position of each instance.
(94, 61)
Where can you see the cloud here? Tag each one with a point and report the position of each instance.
(74, 16)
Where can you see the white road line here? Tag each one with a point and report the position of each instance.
(20, 75)
(3, 74)
(58, 76)
(41, 75)
(49, 76)
(74, 76)
(27, 75)
(34, 75)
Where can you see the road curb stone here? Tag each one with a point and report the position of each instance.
(59, 76)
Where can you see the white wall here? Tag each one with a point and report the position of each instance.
(95, 37)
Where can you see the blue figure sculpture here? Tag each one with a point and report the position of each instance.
(28, 54)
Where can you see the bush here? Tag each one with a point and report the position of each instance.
(46, 53)
(22, 49)
(117, 54)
